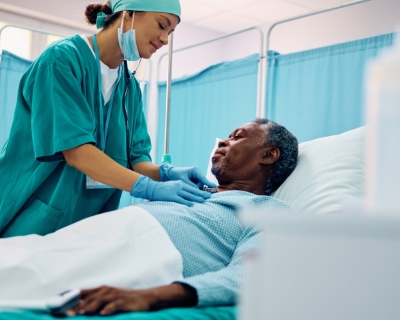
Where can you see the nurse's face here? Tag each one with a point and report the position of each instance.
(152, 31)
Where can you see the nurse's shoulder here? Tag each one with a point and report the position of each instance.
(68, 52)
(70, 57)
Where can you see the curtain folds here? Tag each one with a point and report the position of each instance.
(320, 92)
(12, 68)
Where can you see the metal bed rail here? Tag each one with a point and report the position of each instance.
(168, 89)
(261, 111)
(29, 29)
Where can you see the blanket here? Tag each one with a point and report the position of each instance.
(127, 248)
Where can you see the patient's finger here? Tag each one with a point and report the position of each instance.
(88, 299)
(96, 299)
(110, 308)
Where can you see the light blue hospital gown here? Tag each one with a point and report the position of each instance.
(212, 240)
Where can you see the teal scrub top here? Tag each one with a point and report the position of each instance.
(58, 109)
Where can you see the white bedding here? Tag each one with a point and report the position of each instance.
(127, 248)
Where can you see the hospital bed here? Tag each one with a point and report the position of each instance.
(230, 312)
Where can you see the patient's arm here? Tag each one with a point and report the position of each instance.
(221, 287)
(106, 300)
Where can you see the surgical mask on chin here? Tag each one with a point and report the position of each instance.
(127, 42)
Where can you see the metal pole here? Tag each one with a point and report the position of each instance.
(348, 4)
(260, 81)
(167, 157)
(30, 29)
(260, 66)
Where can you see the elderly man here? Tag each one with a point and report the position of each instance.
(252, 163)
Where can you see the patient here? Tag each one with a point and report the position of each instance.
(253, 162)
(207, 238)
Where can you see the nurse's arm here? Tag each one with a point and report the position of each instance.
(148, 169)
(97, 165)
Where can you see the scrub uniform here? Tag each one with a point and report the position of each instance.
(58, 109)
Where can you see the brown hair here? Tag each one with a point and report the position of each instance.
(94, 8)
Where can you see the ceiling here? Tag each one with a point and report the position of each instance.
(222, 16)
(231, 15)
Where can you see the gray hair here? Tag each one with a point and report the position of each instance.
(278, 136)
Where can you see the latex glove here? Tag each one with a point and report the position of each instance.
(190, 175)
(174, 191)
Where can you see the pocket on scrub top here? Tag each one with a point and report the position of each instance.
(35, 217)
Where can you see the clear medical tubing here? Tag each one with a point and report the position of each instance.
(382, 151)
(166, 157)
(261, 110)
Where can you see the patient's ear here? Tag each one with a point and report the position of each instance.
(270, 155)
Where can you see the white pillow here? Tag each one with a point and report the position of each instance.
(209, 175)
(329, 173)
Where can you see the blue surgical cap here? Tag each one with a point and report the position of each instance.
(167, 6)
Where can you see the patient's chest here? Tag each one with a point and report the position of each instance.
(206, 234)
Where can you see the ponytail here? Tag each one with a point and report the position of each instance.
(94, 8)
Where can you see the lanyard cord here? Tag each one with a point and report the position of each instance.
(104, 126)
(128, 147)
(128, 81)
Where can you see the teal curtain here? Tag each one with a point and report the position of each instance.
(12, 68)
(207, 105)
(320, 92)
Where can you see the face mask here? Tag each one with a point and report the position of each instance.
(127, 42)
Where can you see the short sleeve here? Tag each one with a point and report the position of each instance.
(141, 143)
(61, 116)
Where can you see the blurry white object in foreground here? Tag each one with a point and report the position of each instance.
(323, 267)
(127, 248)
(382, 161)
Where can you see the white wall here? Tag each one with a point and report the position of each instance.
(342, 25)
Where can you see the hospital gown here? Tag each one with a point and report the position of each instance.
(212, 240)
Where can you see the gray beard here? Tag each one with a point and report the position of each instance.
(216, 170)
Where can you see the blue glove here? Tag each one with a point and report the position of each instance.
(190, 175)
(176, 191)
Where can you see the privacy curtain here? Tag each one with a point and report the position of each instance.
(12, 68)
(207, 105)
(320, 92)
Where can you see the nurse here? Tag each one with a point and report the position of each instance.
(79, 134)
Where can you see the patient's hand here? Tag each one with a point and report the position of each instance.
(107, 300)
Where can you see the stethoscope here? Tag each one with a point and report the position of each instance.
(128, 77)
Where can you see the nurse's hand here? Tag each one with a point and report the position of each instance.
(190, 175)
(173, 191)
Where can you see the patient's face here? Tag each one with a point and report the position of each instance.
(238, 156)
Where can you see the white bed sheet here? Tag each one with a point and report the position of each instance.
(127, 248)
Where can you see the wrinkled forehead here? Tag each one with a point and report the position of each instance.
(253, 129)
